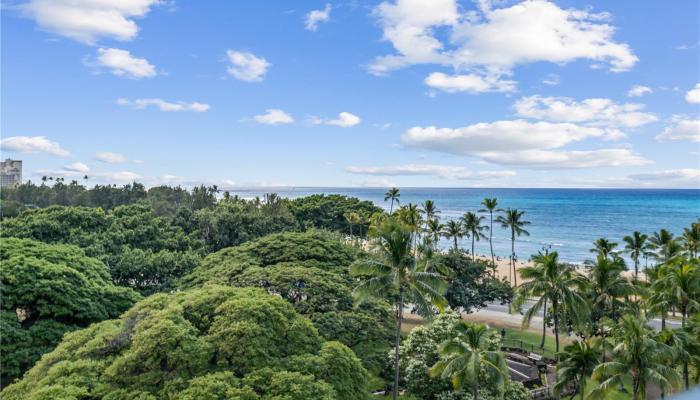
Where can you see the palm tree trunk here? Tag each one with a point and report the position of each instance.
(555, 312)
(473, 255)
(399, 318)
(475, 391)
(493, 260)
(512, 258)
(686, 381)
(455, 239)
(544, 323)
(583, 385)
(391, 207)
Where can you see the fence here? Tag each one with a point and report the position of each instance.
(527, 347)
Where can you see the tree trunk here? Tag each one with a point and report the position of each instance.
(544, 323)
(473, 255)
(555, 312)
(391, 207)
(399, 318)
(475, 391)
(512, 249)
(583, 385)
(493, 260)
(455, 239)
(686, 381)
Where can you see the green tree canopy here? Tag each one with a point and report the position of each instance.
(48, 290)
(212, 343)
(329, 211)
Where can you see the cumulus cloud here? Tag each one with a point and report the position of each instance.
(245, 66)
(87, 21)
(544, 159)
(639, 91)
(492, 41)
(163, 105)
(316, 17)
(693, 95)
(596, 112)
(110, 158)
(33, 144)
(344, 120)
(471, 83)
(274, 116)
(122, 63)
(682, 129)
(441, 171)
(77, 167)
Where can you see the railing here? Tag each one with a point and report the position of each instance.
(527, 347)
(541, 393)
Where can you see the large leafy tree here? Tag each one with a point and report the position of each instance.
(470, 285)
(473, 227)
(490, 205)
(576, 363)
(551, 281)
(512, 219)
(637, 355)
(328, 211)
(238, 343)
(392, 271)
(468, 355)
(48, 290)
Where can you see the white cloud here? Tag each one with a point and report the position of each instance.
(551, 80)
(88, 20)
(122, 63)
(693, 95)
(33, 144)
(315, 17)
(120, 176)
(110, 158)
(77, 167)
(344, 120)
(274, 116)
(246, 66)
(683, 129)
(691, 175)
(596, 112)
(544, 159)
(441, 171)
(471, 83)
(375, 183)
(163, 105)
(639, 91)
(492, 41)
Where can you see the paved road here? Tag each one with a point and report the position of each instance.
(537, 321)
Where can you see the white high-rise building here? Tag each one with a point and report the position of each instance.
(10, 172)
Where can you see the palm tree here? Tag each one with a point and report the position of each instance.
(603, 247)
(434, 229)
(430, 210)
(638, 355)
(410, 214)
(680, 280)
(512, 219)
(392, 271)
(393, 195)
(467, 355)
(490, 205)
(353, 219)
(684, 347)
(453, 229)
(552, 281)
(576, 362)
(472, 225)
(606, 286)
(691, 239)
(637, 246)
(665, 245)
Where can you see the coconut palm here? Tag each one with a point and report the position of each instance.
(576, 363)
(469, 354)
(434, 229)
(691, 239)
(472, 225)
(665, 245)
(636, 355)
(352, 219)
(430, 210)
(637, 246)
(684, 347)
(553, 282)
(410, 214)
(513, 219)
(490, 205)
(393, 271)
(680, 280)
(393, 195)
(453, 230)
(606, 288)
(603, 247)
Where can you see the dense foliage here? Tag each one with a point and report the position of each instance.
(310, 270)
(48, 290)
(331, 211)
(212, 343)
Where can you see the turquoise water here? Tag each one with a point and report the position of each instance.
(568, 220)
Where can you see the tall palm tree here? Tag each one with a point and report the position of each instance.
(576, 363)
(393, 195)
(393, 271)
(684, 347)
(665, 245)
(453, 230)
(490, 205)
(410, 214)
(467, 355)
(636, 355)
(472, 225)
(680, 280)
(603, 247)
(555, 282)
(430, 210)
(606, 288)
(352, 218)
(513, 219)
(434, 229)
(637, 246)
(691, 239)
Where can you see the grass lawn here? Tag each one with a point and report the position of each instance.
(530, 338)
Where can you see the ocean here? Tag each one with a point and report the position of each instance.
(562, 220)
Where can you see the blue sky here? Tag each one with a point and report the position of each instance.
(408, 93)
